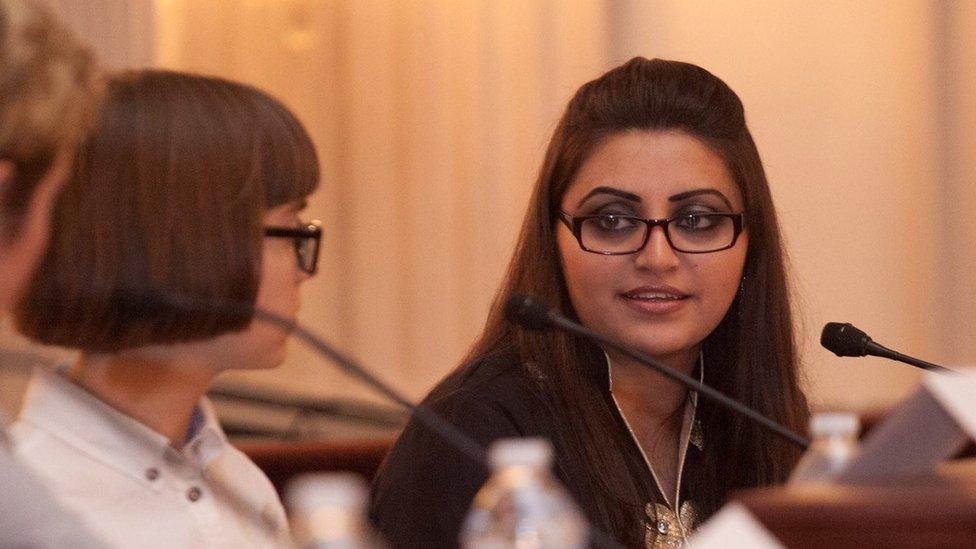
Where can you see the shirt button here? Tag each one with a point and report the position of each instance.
(152, 473)
(194, 494)
(662, 526)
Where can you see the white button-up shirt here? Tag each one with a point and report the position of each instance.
(131, 487)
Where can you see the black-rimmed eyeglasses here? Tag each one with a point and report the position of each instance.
(690, 233)
(307, 238)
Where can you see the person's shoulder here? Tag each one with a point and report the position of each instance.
(498, 381)
(425, 485)
(491, 397)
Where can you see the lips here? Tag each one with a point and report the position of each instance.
(658, 293)
(655, 299)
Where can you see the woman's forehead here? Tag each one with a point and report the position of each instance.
(652, 165)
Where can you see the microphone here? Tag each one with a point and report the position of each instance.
(532, 314)
(844, 339)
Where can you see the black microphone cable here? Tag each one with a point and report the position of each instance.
(141, 303)
(447, 430)
(532, 314)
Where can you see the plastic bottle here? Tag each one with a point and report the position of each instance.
(833, 444)
(522, 505)
(328, 512)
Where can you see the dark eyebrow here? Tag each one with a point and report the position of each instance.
(610, 190)
(688, 194)
(301, 205)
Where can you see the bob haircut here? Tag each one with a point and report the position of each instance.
(750, 356)
(167, 199)
(48, 94)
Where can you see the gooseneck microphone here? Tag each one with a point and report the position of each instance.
(532, 314)
(143, 303)
(844, 339)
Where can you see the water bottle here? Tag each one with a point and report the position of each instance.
(522, 505)
(328, 512)
(834, 444)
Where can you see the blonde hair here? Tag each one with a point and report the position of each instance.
(49, 88)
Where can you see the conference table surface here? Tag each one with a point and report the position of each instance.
(931, 510)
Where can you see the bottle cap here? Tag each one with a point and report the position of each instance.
(318, 490)
(835, 423)
(513, 452)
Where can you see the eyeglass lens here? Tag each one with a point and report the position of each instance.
(686, 233)
(307, 249)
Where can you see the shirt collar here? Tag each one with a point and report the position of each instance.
(71, 413)
(205, 438)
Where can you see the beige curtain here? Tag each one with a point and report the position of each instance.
(865, 114)
(431, 117)
(954, 129)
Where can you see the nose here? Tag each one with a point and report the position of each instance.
(657, 255)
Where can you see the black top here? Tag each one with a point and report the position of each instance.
(424, 489)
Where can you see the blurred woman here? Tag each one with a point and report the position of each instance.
(651, 222)
(48, 96)
(189, 190)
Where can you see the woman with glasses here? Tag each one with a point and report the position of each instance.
(651, 223)
(188, 191)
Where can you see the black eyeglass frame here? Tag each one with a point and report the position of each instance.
(575, 225)
(311, 230)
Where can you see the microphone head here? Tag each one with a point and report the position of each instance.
(528, 312)
(843, 339)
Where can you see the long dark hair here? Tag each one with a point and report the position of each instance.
(750, 355)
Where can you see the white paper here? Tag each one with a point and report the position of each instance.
(957, 394)
(929, 426)
(733, 527)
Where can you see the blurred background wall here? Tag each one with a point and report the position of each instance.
(431, 118)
